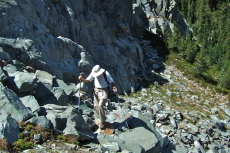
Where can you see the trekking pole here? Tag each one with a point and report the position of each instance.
(79, 96)
(118, 99)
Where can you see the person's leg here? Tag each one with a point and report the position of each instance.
(96, 103)
(103, 97)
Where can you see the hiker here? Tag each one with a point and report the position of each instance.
(102, 79)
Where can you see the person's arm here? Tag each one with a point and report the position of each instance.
(111, 81)
(82, 79)
(114, 87)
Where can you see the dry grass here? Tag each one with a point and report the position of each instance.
(3, 145)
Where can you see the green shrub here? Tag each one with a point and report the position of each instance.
(61, 138)
(21, 144)
(68, 139)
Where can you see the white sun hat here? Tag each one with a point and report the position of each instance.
(97, 70)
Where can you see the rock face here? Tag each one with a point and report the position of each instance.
(65, 38)
(159, 16)
(51, 36)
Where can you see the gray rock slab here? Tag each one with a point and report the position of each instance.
(24, 81)
(10, 68)
(41, 121)
(142, 136)
(60, 97)
(44, 77)
(156, 108)
(30, 102)
(138, 120)
(68, 120)
(225, 108)
(112, 147)
(12, 105)
(43, 87)
(193, 128)
(9, 129)
(180, 149)
(124, 145)
(199, 146)
(68, 88)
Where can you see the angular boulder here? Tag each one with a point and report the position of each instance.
(143, 137)
(12, 105)
(68, 120)
(24, 81)
(30, 102)
(41, 121)
(9, 129)
(104, 140)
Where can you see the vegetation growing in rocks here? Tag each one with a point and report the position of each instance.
(206, 54)
(3, 144)
(183, 94)
(189, 70)
(67, 139)
(27, 141)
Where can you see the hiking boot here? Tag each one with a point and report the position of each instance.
(102, 125)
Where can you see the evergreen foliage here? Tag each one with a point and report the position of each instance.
(210, 54)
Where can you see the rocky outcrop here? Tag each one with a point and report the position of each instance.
(160, 16)
(65, 38)
(54, 36)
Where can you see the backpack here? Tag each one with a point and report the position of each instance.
(105, 77)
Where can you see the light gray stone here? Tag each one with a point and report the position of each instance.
(199, 147)
(37, 137)
(124, 145)
(30, 102)
(41, 121)
(157, 107)
(10, 68)
(146, 139)
(44, 77)
(193, 128)
(173, 121)
(68, 88)
(60, 97)
(225, 108)
(24, 81)
(112, 147)
(68, 120)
